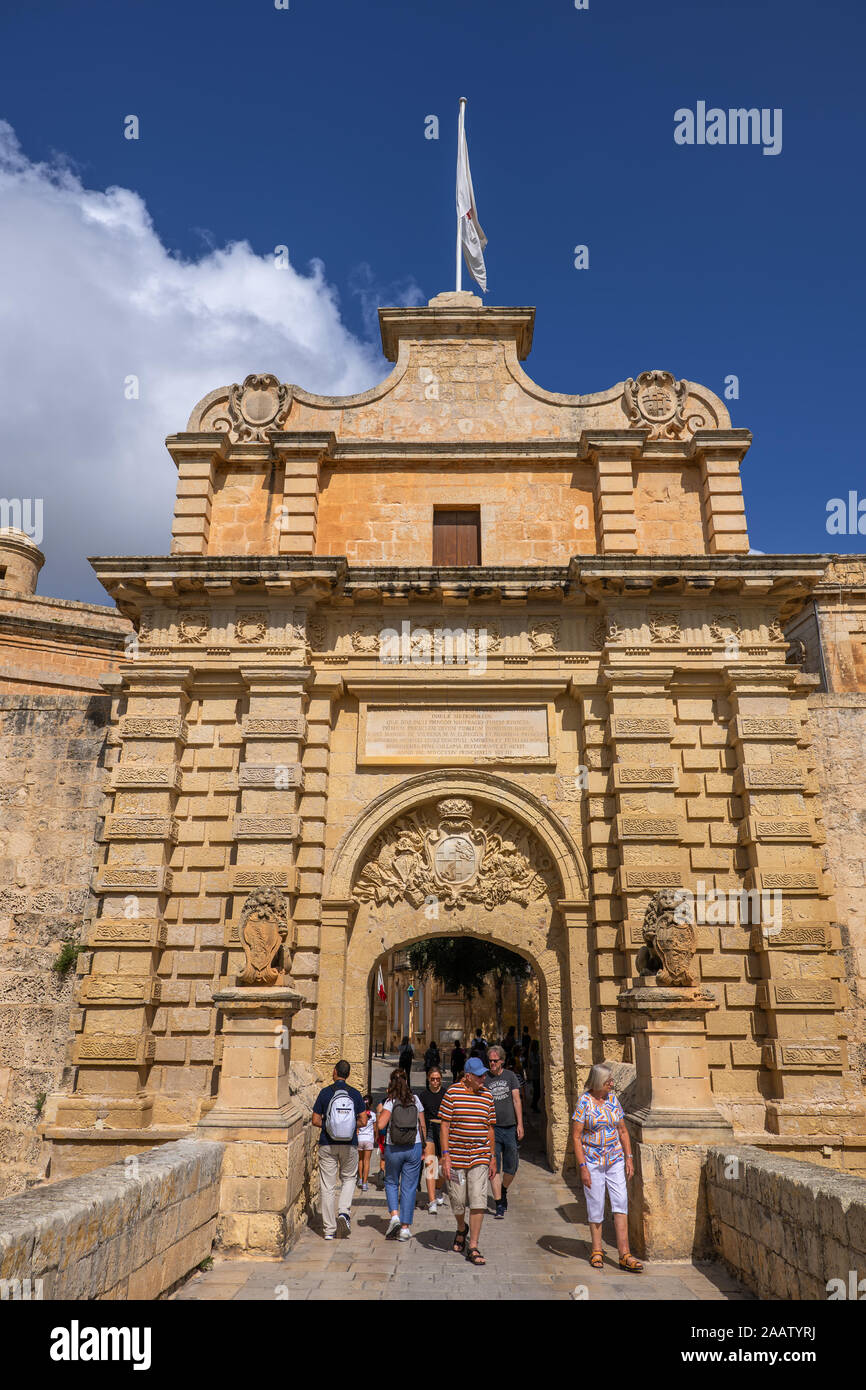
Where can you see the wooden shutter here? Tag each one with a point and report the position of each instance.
(456, 537)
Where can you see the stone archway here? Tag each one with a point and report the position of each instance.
(527, 890)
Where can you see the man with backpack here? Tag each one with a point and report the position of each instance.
(336, 1112)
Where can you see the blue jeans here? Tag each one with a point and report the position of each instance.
(402, 1169)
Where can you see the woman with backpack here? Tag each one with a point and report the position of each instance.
(402, 1116)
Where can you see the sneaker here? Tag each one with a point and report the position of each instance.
(440, 1201)
(500, 1210)
(405, 1233)
(344, 1224)
(433, 1207)
(505, 1199)
(329, 1235)
(392, 1226)
(364, 1186)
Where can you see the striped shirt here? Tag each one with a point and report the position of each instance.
(600, 1137)
(469, 1117)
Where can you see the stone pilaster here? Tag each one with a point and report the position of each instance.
(196, 457)
(720, 453)
(800, 992)
(645, 829)
(119, 995)
(613, 453)
(270, 782)
(302, 455)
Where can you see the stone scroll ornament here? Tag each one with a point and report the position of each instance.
(671, 943)
(456, 858)
(656, 401)
(263, 929)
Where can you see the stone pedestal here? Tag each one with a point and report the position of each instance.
(672, 1119)
(262, 1124)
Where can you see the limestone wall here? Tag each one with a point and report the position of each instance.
(838, 725)
(51, 769)
(130, 1231)
(784, 1227)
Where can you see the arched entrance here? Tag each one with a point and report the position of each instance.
(443, 854)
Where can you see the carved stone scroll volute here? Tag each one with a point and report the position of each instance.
(263, 930)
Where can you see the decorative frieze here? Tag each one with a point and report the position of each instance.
(120, 827)
(126, 878)
(138, 931)
(629, 726)
(783, 881)
(114, 1049)
(649, 827)
(262, 876)
(793, 828)
(147, 776)
(630, 879)
(644, 778)
(277, 776)
(773, 777)
(119, 989)
(763, 729)
(813, 994)
(139, 726)
(792, 936)
(249, 827)
(253, 726)
(779, 1056)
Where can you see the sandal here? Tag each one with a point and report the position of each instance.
(474, 1256)
(596, 1259)
(631, 1264)
(459, 1243)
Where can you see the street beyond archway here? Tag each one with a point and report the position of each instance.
(539, 1251)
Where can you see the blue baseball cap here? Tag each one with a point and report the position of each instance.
(476, 1067)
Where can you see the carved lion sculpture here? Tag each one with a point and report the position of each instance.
(669, 933)
(263, 930)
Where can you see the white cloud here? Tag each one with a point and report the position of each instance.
(90, 296)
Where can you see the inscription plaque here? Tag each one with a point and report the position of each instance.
(454, 734)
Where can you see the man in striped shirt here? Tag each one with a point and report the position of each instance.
(467, 1116)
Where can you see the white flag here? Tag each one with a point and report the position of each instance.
(472, 237)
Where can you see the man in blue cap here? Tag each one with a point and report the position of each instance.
(467, 1117)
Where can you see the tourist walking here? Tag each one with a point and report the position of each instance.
(602, 1148)
(479, 1047)
(431, 1057)
(504, 1087)
(366, 1140)
(402, 1116)
(406, 1058)
(525, 1041)
(467, 1118)
(458, 1060)
(509, 1042)
(533, 1072)
(336, 1112)
(431, 1098)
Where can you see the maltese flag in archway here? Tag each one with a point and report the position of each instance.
(380, 986)
(470, 238)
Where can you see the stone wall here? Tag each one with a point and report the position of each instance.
(784, 1227)
(838, 724)
(51, 769)
(131, 1231)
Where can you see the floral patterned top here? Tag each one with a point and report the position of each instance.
(601, 1145)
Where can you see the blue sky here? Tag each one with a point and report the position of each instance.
(305, 127)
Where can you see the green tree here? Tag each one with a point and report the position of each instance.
(462, 964)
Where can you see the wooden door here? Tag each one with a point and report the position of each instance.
(456, 537)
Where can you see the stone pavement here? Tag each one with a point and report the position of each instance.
(539, 1251)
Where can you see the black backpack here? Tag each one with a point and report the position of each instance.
(404, 1124)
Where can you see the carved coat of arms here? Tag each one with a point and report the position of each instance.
(454, 860)
(263, 929)
(671, 943)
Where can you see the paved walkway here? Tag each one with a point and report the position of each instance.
(540, 1250)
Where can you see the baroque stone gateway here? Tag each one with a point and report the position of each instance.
(275, 760)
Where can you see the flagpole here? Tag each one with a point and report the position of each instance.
(460, 126)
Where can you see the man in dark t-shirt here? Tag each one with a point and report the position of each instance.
(504, 1087)
(338, 1158)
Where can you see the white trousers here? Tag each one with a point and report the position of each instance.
(610, 1180)
(338, 1169)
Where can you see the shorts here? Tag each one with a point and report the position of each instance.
(365, 1145)
(505, 1138)
(468, 1188)
(433, 1136)
(611, 1180)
